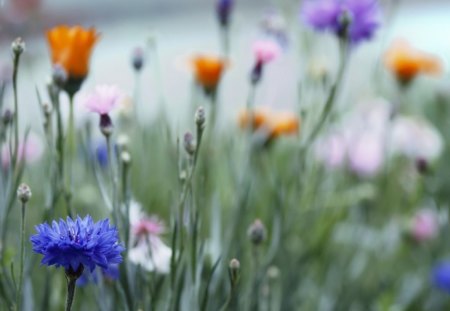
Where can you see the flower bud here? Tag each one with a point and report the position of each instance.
(200, 117)
(125, 157)
(23, 193)
(7, 117)
(256, 74)
(189, 143)
(257, 232)
(234, 271)
(123, 141)
(59, 75)
(137, 58)
(18, 46)
(106, 126)
(223, 10)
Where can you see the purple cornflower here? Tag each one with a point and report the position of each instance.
(440, 276)
(356, 19)
(76, 244)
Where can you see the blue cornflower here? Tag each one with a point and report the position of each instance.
(440, 276)
(357, 19)
(78, 244)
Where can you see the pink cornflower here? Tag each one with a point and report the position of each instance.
(266, 50)
(425, 225)
(104, 99)
(147, 248)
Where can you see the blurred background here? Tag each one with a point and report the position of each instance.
(181, 28)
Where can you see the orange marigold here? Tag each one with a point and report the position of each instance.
(208, 70)
(406, 62)
(273, 122)
(71, 48)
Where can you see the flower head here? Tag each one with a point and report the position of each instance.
(79, 242)
(273, 123)
(425, 225)
(224, 9)
(406, 62)
(266, 50)
(148, 250)
(103, 99)
(356, 19)
(208, 70)
(71, 48)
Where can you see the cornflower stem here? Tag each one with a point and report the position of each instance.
(126, 200)
(71, 282)
(16, 110)
(70, 155)
(113, 180)
(22, 258)
(329, 103)
(256, 279)
(225, 36)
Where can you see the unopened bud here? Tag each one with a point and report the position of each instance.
(257, 232)
(189, 143)
(137, 58)
(200, 117)
(234, 271)
(18, 46)
(422, 166)
(59, 75)
(122, 141)
(106, 126)
(125, 157)
(24, 193)
(7, 117)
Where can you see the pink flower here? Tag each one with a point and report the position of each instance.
(266, 51)
(425, 225)
(366, 155)
(147, 248)
(332, 150)
(29, 151)
(104, 99)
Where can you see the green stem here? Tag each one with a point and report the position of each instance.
(22, 258)
(331, 96)
(70, 156)
(113, 180)
(70, 292)
(16, 109)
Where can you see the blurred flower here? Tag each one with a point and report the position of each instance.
(274, 25)
(406, 62)
(368, 135)
(78, 243)
(111, 273)
(29, 151)
(148, 250)
(103, 99)
(19, 11)
(71, 48)
(357, 19)
(208, 70)
(440, 276)
(266, 50)
(425, 225)
(224, 9)
(273, 123)
(416, 139)
(99, 152)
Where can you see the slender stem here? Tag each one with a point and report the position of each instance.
(225, 34)
(16, 109)
(22, 258)
(113, 179)
(331, 96)
(70, 292)
(70, 155)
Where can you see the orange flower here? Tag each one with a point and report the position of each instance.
(208, 70)
(71, 48)
(274, 123)
(406, 62)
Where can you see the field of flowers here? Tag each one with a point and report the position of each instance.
(339, 203)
